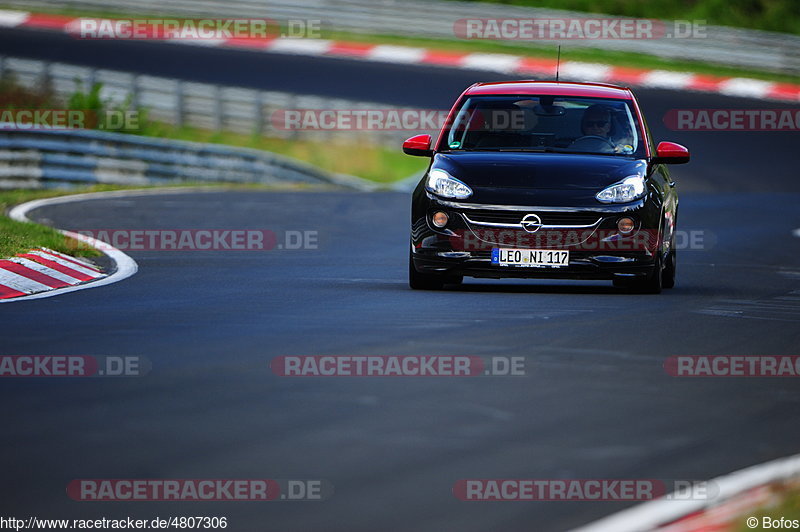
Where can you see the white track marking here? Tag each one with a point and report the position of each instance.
(300, 46)
(12, 19)
(20, 283)
(396, 54)
(210, 43)
(749, 88)
(79, 260)
(495, 62)
(66, 264)
(666, 79)
(55, 274)
(585, 71)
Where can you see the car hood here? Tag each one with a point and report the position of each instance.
(500, 177)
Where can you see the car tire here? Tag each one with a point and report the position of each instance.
(654, 281)
(649, 285)
(427, 281)
(668, 277)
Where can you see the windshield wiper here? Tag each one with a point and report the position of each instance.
(568, 150)
(534, 150)
(541, 149)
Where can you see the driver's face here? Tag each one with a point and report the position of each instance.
(596, 124)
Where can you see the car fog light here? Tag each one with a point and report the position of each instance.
(625, 226)
(440, 219)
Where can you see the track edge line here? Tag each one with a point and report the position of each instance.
(124, 265)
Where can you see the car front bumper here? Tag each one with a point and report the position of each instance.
(590, 234)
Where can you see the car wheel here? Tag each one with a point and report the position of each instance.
(426, 281)
(654, 281)
(668, 279)
(649, 285)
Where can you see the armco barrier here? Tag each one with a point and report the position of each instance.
(55, 158)
(199, 105)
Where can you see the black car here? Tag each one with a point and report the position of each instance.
(545, 180)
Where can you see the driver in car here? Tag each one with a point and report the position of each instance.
(598, 121)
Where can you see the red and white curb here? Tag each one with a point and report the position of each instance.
(502, 63)
(46, 273)
(43, 270)
(739, 493)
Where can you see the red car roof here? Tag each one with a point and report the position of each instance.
(595, 90)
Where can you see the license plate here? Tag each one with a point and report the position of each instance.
(533, 258)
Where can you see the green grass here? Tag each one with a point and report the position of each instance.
(376, 163)
(788, 507)
(19, 237)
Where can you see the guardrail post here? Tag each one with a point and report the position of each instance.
(180, 116)
(259, 109)
(218, 108)
(294, 133)
(91, 80)
(135, 96)
(44, 76)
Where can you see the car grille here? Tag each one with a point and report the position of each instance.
(547, 217)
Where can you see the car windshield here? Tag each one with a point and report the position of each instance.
(545, 123)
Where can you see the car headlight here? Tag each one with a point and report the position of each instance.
(629, 189)
(443, 184)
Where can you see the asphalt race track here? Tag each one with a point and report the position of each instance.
(596, 401)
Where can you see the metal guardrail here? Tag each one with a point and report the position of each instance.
(731, 46)
(57, 158)
(200, 105)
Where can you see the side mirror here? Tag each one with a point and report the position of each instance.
(671, 153)
(419, 146)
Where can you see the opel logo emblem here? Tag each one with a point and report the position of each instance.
(531, 223)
